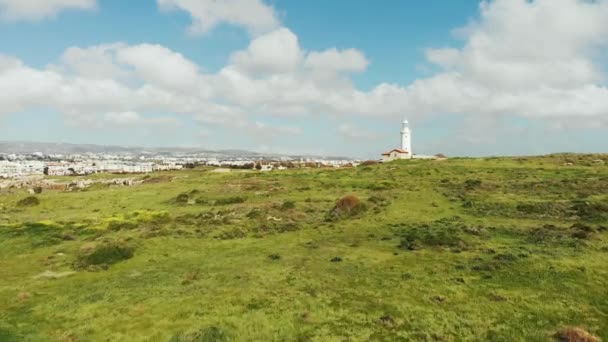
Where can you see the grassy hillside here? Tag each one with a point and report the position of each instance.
(496, 249)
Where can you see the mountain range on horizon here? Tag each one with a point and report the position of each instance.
(17, 147)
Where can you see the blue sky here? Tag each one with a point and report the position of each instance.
(329, 77)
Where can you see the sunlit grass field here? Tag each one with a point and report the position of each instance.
(491, 249)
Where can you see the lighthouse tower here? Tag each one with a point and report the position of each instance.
(405, 150)
(406, 138)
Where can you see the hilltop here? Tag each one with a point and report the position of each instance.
(438, 250)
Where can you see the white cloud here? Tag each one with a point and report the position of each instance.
(265, 129)
(98, 62)
(160, 66)
(334, 60)
(131, 118)
(17, 10)
(124, 118)
(353, 132)
(528, 58)
(274, 52)
(254, 15)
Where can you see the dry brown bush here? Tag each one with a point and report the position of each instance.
(369, 162)
(575, 334)
(346, 207)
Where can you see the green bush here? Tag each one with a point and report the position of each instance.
(590, 211)
(182, 199)
(29, 201)
(441, 233)
(567, 236)
(230, 200)
(379, 200)
(254, 213)
(472, 184)
(288, 205)
(209, 334)
(381, 186)
(102, 255)
(543, 209)
(233, 233)
(121, 224)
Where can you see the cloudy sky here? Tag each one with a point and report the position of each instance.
(315, 76)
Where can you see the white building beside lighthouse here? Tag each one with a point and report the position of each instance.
(405, 150)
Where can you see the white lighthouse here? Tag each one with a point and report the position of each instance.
(405, 150)
(406, 137)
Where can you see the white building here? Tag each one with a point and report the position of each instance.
(266, 167)
(9, 169)
(20, 168)
(405, 151)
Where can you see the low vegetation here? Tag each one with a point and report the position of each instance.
(574, 334)
(29, 201)
(490, 249)
(347, 206)
(95, 256)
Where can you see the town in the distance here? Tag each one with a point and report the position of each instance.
(18, 160)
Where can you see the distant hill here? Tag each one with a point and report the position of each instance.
(18, 147)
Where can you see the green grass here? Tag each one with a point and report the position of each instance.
(496, 249)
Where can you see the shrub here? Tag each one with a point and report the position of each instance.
(369, 162)
(378, 200)
(29, 201)
(381, 186)
(574, 334)
(440, 233)
(154, 217)
(590, 211)
(102, 255)
(208, 334)
(230, 200)
(347, 206)
(472, 184)
(582, 231)
(182, 199)
(542, 209)
(551, 234)
(37, 189)
(288, 205)
(38, 234)
(548, 233)
(121, 224)
(254, 213)
(202, 201)
(234, 233)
